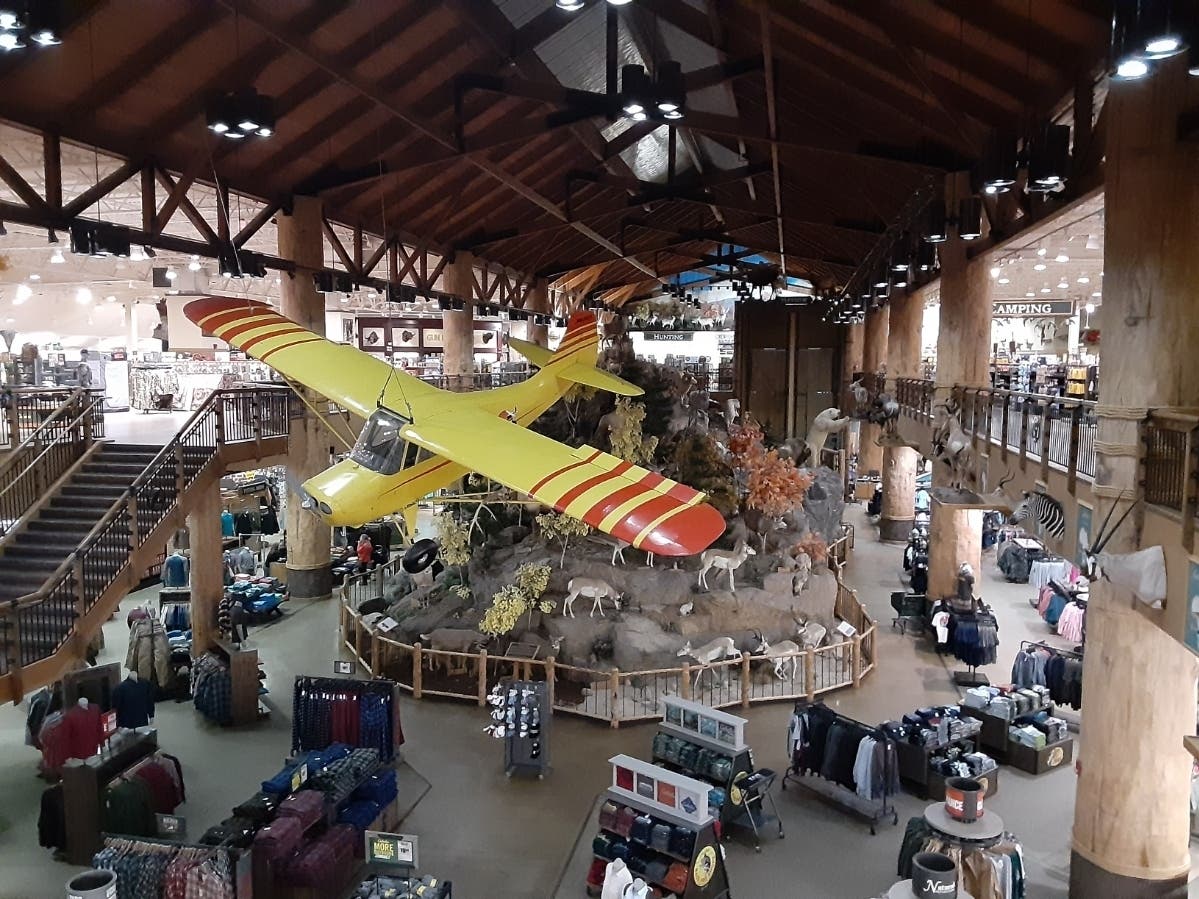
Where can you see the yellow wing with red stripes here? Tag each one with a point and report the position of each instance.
(638, 506)
(353, 379)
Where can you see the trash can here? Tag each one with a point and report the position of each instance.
(93, 885)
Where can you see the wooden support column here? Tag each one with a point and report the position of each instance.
(308, 537)
(539, 301)
(458, 361)
(906, 318)
(207, 584)
(963, 358)
(851, 364)
(1130, 830)
(874, 358)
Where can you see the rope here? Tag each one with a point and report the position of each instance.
(319, 417)
(1122, 413)
(1107, 491)
(1104, 448)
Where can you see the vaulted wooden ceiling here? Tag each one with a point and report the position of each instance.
(828, 114)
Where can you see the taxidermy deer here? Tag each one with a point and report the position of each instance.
(782, 654)
(620, 546)
(1143, 572)
(811, 633)
(593, 589)
(724, 560)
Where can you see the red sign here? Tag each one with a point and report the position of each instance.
(108, 721)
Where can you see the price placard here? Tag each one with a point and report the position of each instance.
(397, 849)
(387, 624)
(340, 667)
(170, 825)
(299, 777)
(108, 721)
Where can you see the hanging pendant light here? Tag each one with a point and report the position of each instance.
(935, 230)
(635, 92)
(997, 170)
(926, 256)
(670, 89)
(970, 218)
(1049, 157)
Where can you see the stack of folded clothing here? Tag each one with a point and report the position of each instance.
(259, 808)
(340, 778)
(278, 840)
(307, 806)
(235, 831)
(324, 864)
(1027, 736)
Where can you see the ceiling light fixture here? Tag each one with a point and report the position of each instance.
(1097, 293)
(997, 171)
(10, 40)
(1062, 284)
(926, 256)
(1044, 290)
(671, 89)
(1048, 157)
(569, 5)
(970, 218)
(1090, 307)
(242, 114)
(56, 258)
(1005, 280)
(35, 277)
(110, 299)
(935, 230)
(24, 292)
(194, 265)
(634, 91)
(1040, 251)
(1061, 257)
(83, 296)
(1040, 266)
(172, 274)
(995, 271)
(1083, 279)
(1031, 293)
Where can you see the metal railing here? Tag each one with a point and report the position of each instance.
(1170, 440)
(61, 440)
(611, 695)
(36, 625)
(1049, 430)
(26, 409)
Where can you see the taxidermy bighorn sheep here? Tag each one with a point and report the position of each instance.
(724, 560)
(593, 589)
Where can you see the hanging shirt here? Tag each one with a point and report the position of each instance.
(941, 626)
(134, 703)
(175, 571)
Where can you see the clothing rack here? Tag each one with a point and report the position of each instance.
(970, 677)
(238, 860)
(313, 698)
(1037, 644)
(871, 810)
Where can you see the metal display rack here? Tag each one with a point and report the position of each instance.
(531, 752)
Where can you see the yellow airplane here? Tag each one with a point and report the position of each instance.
(419, 439)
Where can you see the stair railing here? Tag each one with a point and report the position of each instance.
(227, 416)
(32, 468)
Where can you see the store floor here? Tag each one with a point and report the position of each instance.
(148, 428)
(528, 839)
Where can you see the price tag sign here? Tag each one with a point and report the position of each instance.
(387, 624)
(847, 629)
(299, 777)
(395, 849)
(340, 667)
(171, 825)
(108, 721)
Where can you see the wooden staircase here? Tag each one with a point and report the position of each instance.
(68, 559)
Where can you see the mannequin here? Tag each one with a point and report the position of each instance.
(247, 562)
(133, 700)
(227, 528)
(82, 730)
(617, 879)
(176, 570)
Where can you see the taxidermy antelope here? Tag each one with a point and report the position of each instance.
(724, 560)
(714, 651)
(951, 446)
(1143, 572)
(782, 654)
(811, 633)
(593, 589)
(620, 546)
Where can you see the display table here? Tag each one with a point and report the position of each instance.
(1038, 761)
(988, 827)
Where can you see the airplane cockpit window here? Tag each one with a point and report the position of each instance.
(380, 447)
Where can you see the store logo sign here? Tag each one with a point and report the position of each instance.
(669, 335)
(1028, 310)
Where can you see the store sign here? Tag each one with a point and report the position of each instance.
(340, 667)
(119, 354)
(387, 624)
(398, 849)
(170, 825)
(1032, 310)
(669, 335)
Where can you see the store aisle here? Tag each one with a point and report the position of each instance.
(515, 838)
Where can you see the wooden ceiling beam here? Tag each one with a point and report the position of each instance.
(772, 124)
(1050, 47)
(304, 46)
(536, 31)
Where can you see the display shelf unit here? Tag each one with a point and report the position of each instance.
(994, 734)
(1038, 761)
(244, 684)
(680, 802)
(914, 766)
(530, 753)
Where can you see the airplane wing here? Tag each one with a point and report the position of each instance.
(353, 379)
(631, 503)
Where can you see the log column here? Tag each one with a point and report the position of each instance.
(963, 358)
(851, 363)
(1130, 824)
(458, 328)
(906, 317)
(308, 452)
(539, 302)
(207, 583)
(874, 357)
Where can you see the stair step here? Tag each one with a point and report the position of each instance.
(82, 503)
(34, 550)
(101, 479)
(66, 525)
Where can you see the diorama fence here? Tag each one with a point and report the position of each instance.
(613, 695)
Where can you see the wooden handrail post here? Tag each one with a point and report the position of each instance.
(550, 678)
(1072, 453)
(373, 667)
(1046, 431)
(685, 681)
(482, 675)
(857, 660)
(809, 673)
(131, 504)
(417, 671)
(1003, 424)
(745, 684)
(614, 691)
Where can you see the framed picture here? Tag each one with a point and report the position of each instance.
(486, 339)
(405, 337)
(372, 339)
(433, 338)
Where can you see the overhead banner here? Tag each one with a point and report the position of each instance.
(1033, 310)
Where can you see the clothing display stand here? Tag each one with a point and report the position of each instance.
(903, 890)
(873, 810)
(708, 745)
(83, 785)
(1062, 676)
(659, 823)
(244, 683)
(915, 767)
(130, 856)
(963, 622)
(527, 722)
(394, 886)
(937, 831)
(359, 713)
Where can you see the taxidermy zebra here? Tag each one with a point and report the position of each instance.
(1044, 510)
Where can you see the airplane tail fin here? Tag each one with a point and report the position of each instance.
(574, 360)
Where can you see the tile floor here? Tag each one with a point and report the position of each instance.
(516, 839)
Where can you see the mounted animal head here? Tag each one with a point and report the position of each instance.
(685, 651)
(762, 646)
(556, 644)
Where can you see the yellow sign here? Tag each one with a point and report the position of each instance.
(704, 868)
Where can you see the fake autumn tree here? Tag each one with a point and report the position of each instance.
(626, 440)
(814, 546)
(513, 600)
(453, 540)
(563, 528)
(773, 485)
